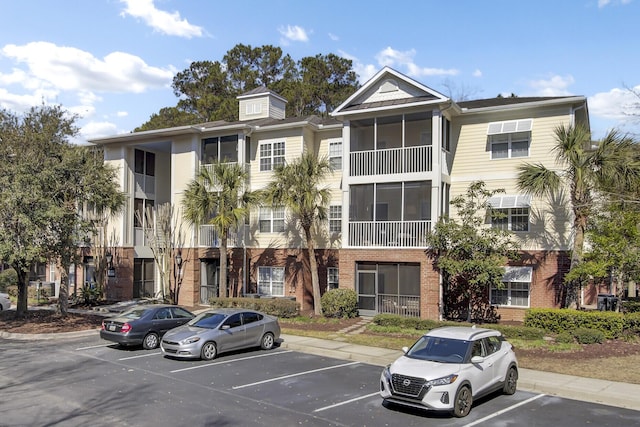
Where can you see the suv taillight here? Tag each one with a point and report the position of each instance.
(125, 328)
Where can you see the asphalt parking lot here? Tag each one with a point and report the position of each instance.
(84, 381)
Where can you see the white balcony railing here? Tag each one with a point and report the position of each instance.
(406, 234)
(404, 305)
(391, 161)
(208, 238)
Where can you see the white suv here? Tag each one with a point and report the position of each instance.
(449, 367)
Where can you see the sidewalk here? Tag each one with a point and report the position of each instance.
(622, 395)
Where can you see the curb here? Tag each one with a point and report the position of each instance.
(51, 336)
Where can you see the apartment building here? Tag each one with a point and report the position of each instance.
(399, 152)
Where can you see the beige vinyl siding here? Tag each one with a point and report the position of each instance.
(549, 224)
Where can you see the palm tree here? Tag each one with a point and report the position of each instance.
(586, 167)
(218, 196)
(296, 186)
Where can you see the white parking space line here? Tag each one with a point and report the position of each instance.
(93, 346)
(495, 414)
(230, 361)
(294, 375)
(355, 399)
(139, 356)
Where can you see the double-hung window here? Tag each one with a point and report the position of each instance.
(332, 278)
(516, 288)
(335, 155)
(271, 155)
(335, 219)
(510, 213)
(271, 219)
(271, 281)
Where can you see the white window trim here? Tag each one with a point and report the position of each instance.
(272, 219)
(271, 281)
(253, 108)
(510, 215)
(336, 219)
(333, 142)
(509, 143)
(272, 155)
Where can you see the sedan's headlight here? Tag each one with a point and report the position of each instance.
(191, 340)
(450, 379)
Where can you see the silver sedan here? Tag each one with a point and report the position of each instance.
(221, 330)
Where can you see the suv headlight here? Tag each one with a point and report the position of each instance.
(386, 373)
(450, 379)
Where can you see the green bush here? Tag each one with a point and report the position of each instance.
(588, 336)
(610, 323)
(632, 323)
(279, 307)
(8, 278)
(630, 306)
(565, 338)
(340, 303)
(520, 332)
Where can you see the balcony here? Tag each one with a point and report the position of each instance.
(391, 161)
(208, 238)
(404, 234)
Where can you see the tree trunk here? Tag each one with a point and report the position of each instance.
(21, 306)
(313, 265)
(63, 296)
(223, 264)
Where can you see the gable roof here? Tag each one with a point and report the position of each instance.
(388, 89)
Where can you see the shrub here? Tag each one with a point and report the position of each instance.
(340, 303)
(279, 307)
(630, 306)
(8, 278)
(588, 336)
(610, 323)
(520, 332)
(565, 338)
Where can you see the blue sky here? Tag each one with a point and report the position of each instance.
(112, 61)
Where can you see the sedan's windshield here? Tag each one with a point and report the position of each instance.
(207, 320)
(445, 350)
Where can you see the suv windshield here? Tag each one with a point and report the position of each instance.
(445, 350)
(207, 320)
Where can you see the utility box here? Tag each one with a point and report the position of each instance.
(607, 302)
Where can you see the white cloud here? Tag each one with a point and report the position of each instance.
(604, 3)
(94, 130)
(553, 86)
(160, 20)
(394, 58)
(122, 113)
(334, 37)
(293, 33)
(68, 68)
(477, 73)
(617, 104)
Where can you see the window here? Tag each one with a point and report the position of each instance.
(271, 155)
(223, 149)
(271, 281)
(512, 145)
(253, 108)
(335, 219)
(446, 134)
(515, 291)
(145, 163)
(332, 278)
(335, 155)
(271, 220)
(514, 219)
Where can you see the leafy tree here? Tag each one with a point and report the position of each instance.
(296, 186)
(614, 247)
(207, 90)
(44, 180)
(218, 196)
(584, 166)
(470, 255)
(169, 117)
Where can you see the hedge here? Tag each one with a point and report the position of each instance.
(279, 307)
(340, 303)
(610, 323)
